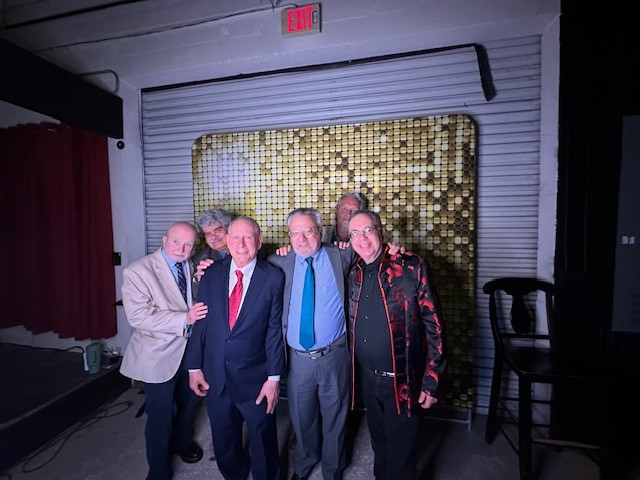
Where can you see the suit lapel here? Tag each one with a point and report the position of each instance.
(336, 265)
(165, 275)
(289, 264)
(222, 290)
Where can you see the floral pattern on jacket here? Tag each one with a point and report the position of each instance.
(415, 324)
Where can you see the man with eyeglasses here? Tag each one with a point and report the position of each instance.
(318, 374)
(396, 339)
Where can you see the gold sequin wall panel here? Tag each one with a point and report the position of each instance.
(417, 173)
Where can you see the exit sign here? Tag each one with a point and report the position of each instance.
(301, 20)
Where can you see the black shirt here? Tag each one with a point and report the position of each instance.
(373, 340)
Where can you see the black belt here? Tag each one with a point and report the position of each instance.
(321, 352)
(380, 373)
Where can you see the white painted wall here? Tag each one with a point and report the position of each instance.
(165, 42)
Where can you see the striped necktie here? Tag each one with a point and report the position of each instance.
(182, 281)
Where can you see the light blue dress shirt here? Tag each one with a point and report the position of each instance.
(329, 317)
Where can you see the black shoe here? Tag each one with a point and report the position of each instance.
(189, 453)
(295, 476)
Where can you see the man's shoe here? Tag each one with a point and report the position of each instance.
(295, 476)
(189, 453)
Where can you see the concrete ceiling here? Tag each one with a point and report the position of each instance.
(85, 36)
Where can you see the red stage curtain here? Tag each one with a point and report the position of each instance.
(57, 237)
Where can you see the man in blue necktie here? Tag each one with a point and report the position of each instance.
(318, 375)
(158, 303)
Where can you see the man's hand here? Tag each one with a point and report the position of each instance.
(270, 390)
(282, 251)
(342, 245)
(197, 312)
(202, 266)
(198, 384)
(425, 400)
(395, 248)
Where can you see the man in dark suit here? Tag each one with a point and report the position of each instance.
(213, 224)
(236, 360)
(318, 375)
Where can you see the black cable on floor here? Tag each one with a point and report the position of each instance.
(63, 437)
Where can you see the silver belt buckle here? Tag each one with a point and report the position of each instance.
(313, 354)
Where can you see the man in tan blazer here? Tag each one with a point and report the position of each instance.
(158, 302)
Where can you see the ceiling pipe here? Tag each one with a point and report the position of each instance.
(70, 13)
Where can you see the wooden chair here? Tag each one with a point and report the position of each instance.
(532, 355)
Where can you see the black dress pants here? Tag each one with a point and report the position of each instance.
(171, 408)
(393, 436)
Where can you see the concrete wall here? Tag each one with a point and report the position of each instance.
(179, 42)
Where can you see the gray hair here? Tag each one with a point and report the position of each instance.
(311, 212)
(359, 198)
(213, 216)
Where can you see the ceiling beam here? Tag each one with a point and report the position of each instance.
(31, 82)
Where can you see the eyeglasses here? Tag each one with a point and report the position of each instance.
(368, 230)
(307, 232)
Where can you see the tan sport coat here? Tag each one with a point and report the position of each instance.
(157, 312)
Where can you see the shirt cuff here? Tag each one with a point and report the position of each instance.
(186, 330)
(275, 378)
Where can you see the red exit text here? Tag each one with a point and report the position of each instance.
(305, 19)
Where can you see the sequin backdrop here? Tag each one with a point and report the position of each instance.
(417, 173)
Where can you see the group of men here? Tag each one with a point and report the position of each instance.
(319, 315)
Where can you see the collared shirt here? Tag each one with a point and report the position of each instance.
(334, 235)
(186, 328)
(329, 316)
(172, 266)
(373, 340)
(247, 273)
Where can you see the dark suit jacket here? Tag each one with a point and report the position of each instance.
(206, 252)
(240, 359)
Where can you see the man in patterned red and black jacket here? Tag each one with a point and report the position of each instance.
(396, 339)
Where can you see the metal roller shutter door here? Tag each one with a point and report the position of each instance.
(508, 145)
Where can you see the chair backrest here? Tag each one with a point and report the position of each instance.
(513, 303)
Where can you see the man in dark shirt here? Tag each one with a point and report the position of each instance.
(396, 339)
(213, 224)
(346, 205)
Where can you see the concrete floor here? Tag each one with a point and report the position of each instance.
(111, 446)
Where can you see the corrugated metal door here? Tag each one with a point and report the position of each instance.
(508, 181)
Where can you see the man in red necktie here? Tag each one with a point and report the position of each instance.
(236, 360)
